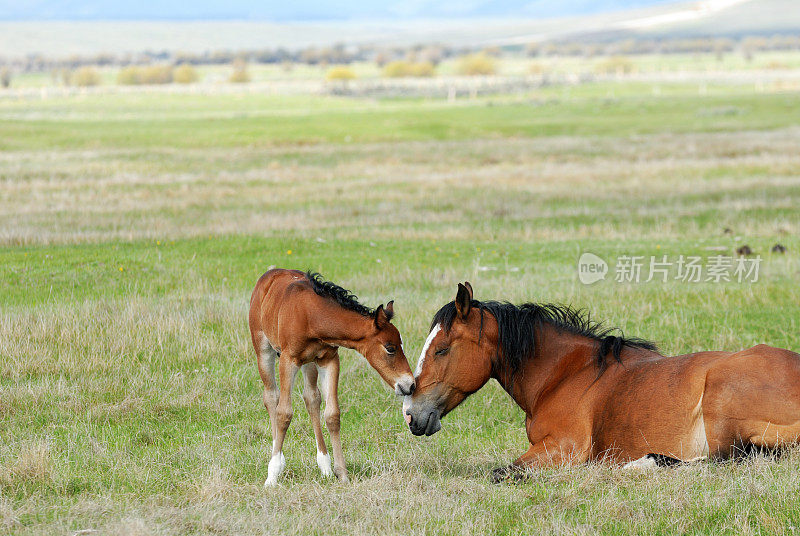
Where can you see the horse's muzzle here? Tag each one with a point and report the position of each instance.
(405, 386)
(426, 423)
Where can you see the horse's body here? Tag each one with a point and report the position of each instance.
(301, 320)
(588, 395)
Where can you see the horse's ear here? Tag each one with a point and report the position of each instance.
(384, 315)
(463, 301)
(469, 288)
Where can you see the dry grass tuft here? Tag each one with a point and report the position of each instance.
(33, 463)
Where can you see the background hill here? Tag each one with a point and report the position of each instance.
(305, 10)
(481, 24)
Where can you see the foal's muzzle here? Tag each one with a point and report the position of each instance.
(405, 386)
(427, 422)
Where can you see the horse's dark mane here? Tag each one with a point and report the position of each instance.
(342, 296)
(517, 325)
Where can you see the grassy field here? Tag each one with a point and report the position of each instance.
(133, 228)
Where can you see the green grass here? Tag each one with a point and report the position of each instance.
(113, 121)
(133, 228)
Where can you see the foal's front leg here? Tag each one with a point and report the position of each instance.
(287, 371)
(330, 368)
(312, 399)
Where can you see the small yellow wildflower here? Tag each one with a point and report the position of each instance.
(288, 251)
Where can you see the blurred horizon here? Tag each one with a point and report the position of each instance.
(481, 23)
(309, 10)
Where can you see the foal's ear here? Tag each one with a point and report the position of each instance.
(384, 315)
(469, 288)
(463, 301)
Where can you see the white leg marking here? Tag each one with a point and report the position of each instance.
(645, 462)
(436, 329)
(274, 470)
(699, 439)
(324, 463)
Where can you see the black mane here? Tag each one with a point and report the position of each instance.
(342, 296)
(517, 325)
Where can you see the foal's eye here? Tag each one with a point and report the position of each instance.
(442, 351)
(390, 348)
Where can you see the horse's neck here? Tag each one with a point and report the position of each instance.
(346, 328)
(558, 356)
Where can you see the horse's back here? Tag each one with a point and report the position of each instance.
(698, 404)
(269, 294)
(753, 397)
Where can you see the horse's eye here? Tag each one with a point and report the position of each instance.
(442, 351)
(390, 348)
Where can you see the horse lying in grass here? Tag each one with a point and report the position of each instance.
(302, 320)
(590, 395)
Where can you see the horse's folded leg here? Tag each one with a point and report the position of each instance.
(510, 473)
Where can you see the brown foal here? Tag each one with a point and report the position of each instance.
(302, 320)
(591, 395)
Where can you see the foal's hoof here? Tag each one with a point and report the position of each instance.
(509, 473)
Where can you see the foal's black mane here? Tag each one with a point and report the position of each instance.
(342, 296)
(517, 324)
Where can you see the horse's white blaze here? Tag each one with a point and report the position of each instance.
(436, 329)
(324, 463)
(275, 468)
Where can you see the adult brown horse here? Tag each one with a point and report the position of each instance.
(590, 395)
(302, 320)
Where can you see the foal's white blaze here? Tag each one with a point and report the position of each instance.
(436, 329)
(274, 470)
(324, 463)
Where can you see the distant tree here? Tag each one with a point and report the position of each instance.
(615, 65)
(721, 47)
(85, 77)
(476, 65)
(402, 68)
(65, 75)
(5, 77)
(185, 74)
(341, 73)
(432, 55)
(533, 49)
(423, 69)
(157, 74)
(310, 56)
(129, 76)
(240, 75)
(536, 68)
(382, 59)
